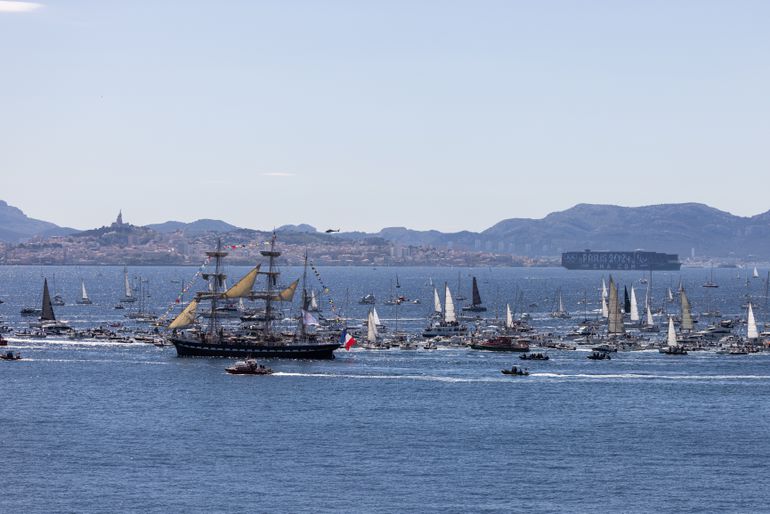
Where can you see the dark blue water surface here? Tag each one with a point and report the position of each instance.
(118, 427)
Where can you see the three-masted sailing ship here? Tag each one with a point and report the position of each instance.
(257, 340)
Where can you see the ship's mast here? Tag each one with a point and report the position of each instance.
(216, 280)
(302, 331)
(272, 280)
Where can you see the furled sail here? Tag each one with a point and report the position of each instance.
(687, 323)
(634, 307)
(449, 306)
(243, 287)
(615, 318)
(186, 317)
(751, 331)
(47, 314)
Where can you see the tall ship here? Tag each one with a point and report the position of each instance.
(636, 260)
(257, 339)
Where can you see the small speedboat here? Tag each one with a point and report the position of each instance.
(10, 356)
(599, 356)
(515, 371)
(249, 367)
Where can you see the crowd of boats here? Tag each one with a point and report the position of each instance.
(225, 329)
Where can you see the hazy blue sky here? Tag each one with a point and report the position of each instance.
(359, 115)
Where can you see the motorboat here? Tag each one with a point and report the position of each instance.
(515, 371)
(10, 356)
(249, 367)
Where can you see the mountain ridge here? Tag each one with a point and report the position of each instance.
(681, 228)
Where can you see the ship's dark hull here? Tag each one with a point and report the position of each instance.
(188, 348)
(645, 261)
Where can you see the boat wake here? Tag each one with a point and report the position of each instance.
(642, 376)
(427, 378)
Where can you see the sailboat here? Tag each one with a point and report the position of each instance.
(755, 273)
(634, 313)
(128, 292)
(710, 282)
(509, 341)
(561, 312)
(48, 321)
(687, 321)
(57, 299)
(672, 345)
(649, 323)
(437, 310)
(84, 299)
(615, 325)
(258, 340)
(372, 334)
(475, 305)
(752, 333)
(312, 305)
(448, 326)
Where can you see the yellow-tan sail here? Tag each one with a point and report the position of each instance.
(243, 287)
(186, 317)
(287, 294)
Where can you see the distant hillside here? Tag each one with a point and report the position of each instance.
(15, 226)
(193, 228)
(676, 228)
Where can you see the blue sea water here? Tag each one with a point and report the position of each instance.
(113, 427)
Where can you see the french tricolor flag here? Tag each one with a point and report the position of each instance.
(346, 339)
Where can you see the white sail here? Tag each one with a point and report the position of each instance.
(755, 274)
(634, 306)
(605, 310)
(449, 307)
(561, 304)
(129, 292)
(83, 292)
(671, 340)
(687, 323)
(604, 289)
(313, 301)
(376, 317)
(508, 316)
(436, 301)
(186, 317)
(650, 321)
(670, 295)
(751, 331)
(371, 334)
(615, 319)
